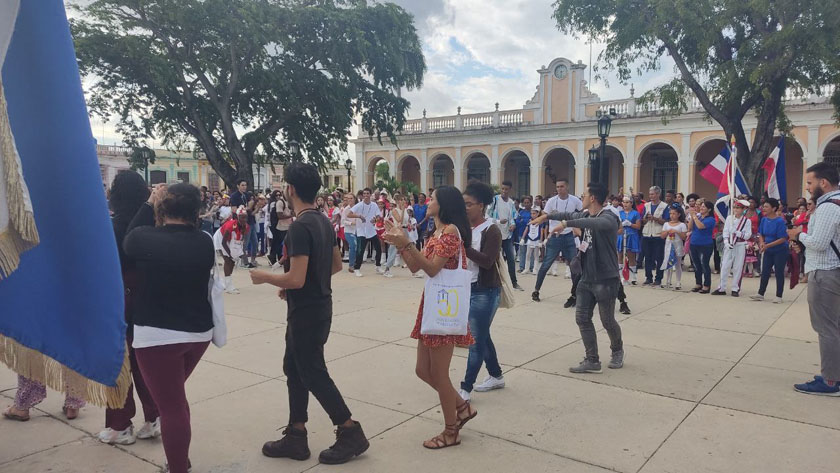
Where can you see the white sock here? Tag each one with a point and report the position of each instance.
(229, 282)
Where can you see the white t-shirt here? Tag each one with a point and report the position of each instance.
(503, 210)
(476, 245)
(411, 228)
(348, 223)
(556, 204)
(369, 212)
(145, 337)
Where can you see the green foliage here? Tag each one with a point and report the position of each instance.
(381, 170)
(136, 160)
(736, 57)
(242, 78)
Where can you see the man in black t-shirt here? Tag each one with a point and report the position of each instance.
(245, 199)
(307, 287)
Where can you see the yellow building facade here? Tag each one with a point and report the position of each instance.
(550, 136)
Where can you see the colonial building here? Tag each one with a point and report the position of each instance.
(191, 167)
(550, 136)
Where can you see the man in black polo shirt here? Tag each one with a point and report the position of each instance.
(307, 287)
(244, 198)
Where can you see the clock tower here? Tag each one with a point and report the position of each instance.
(558, 97)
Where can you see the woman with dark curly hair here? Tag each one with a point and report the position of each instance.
(173, 320)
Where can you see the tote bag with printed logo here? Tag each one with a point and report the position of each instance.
(446, 302)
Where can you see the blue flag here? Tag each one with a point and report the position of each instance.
(61, 318)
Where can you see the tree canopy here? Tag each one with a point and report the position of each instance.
(737, 57)
(242, 78)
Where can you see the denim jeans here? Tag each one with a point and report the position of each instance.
(603, 293)
(392, 256)
(700, 255)
(483, 304)
(653, 250)
(770, 261)
(510, 257)
(351, 245)
(554, 246)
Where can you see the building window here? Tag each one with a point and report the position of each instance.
(479, 171)
(439, 177)
(833, 159)
(184, 177)
(523, 180)
(665, 171)
(337, 181)
(212, 181)
(157, 177)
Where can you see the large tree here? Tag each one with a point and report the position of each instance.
(737, 57)
(243, 78)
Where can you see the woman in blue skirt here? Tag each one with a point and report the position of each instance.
(628, 235)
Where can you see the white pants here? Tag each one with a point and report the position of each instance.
(733, 260)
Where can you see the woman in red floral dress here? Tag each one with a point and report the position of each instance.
(434, 352)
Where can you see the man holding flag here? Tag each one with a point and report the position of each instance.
(736, 231)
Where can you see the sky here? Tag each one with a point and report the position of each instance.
(479, 52)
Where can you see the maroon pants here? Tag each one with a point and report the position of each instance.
(165, 370)
(120, 419)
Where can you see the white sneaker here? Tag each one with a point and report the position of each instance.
(232, 290)
(380, 270)
(118, 437)
(534, 272)
(464, 395)
(417, 275)
(757, 297)
(777, 300)
(388, 274)
(490, 383)
(358, 273)
(554, 272)
(568, 274)
(150, 430)
(276, 265)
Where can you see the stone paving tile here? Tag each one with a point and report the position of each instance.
(651, 371)
(714, 440)
(239, 326)
(770, 392)
(40, 433)
(611, 427)
(696, 341)
(401, 450)
(81, 456)
(795, 323)
(785, 353)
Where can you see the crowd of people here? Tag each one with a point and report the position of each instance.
(170, 238)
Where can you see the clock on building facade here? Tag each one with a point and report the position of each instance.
(561, 71)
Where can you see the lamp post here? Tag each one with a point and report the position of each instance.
(294, 149)
(604, 125)
(144, 153)
(348, 164)
(593, 164)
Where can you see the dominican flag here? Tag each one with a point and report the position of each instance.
(716, 169)
(62, 321)
(731, 184)
(774, 166)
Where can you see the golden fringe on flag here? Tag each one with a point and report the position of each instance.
(21, 234)
(38, 367)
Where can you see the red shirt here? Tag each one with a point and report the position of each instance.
(232, 225)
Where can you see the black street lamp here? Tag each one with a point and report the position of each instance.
(294, 149)
(593, 163)
(348, 164)
(604, 126)
(144, 153)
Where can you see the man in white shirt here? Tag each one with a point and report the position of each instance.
(366, 211)
(653, 246)
(736, 231)
(503, 212)
(560, 240)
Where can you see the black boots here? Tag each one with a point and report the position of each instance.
(349, 442)
(293, 445)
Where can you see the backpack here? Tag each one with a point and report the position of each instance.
(833, 246)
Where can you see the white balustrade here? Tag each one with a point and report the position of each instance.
(510, 118)
(478, 120)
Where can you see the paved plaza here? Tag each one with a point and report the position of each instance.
(706, 388)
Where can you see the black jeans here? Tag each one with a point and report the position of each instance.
(775, 261)
(361, 244)
(510, 257)
(276, 250)
(700, 255)
(306, 371)
(653, 250)
(603, 293)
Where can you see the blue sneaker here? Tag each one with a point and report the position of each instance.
(818, 387)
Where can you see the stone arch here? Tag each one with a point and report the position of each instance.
(370, 174)
(408, 169)
(441, 170)
(831, 145)
(558, 162)
(477, 166)
(703, 154)
(516, 167)
(658, 165)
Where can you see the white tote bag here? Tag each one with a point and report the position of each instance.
(216, 296)
(446, 301)
(506, 300)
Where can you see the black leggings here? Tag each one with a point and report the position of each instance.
(276, 246)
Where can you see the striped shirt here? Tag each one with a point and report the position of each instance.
(823, 228)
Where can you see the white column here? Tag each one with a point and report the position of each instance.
(813, 155)
(495, 168)
(360, 168)
(684, 160)
(424, 169)
(537, 169)
(581, 165)
(630, 165)
(459, 168)
(392, 163)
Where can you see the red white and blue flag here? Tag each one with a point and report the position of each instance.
(732, 183)
(774, 166)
